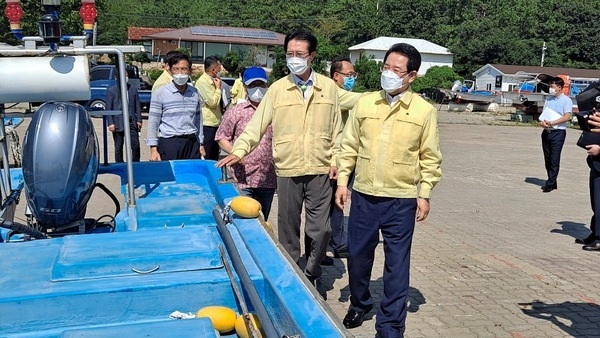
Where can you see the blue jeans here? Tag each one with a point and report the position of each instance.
(264, 196)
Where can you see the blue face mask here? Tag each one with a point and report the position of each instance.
(348, 83)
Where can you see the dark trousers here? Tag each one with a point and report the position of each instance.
(178, 147)
(119, 139)
(339, 231)
(211, 147)
(595, 199)
(395, 217)
(264, 196)
(314, 191)
(552, 144)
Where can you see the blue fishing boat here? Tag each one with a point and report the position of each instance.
(174, 244)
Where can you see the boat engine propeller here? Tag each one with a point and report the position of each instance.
(60, 168)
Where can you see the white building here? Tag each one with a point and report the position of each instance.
(505, 78)
(431, 53)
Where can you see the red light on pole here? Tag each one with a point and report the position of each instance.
(88, 14)
(14, 13)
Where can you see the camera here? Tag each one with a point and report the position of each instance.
(587, 102)
(589, 98)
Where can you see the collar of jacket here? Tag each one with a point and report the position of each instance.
(317, 82)
(405, 99)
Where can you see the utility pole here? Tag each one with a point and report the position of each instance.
(543, 53)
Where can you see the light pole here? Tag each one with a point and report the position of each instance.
(543, 53)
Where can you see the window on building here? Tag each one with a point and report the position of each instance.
(196, 48)
(217, 49)
(488, 86)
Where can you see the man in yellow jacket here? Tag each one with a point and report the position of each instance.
(209, 85)
(166, 77)
(304, 113)
(391, 141)
(238, 90)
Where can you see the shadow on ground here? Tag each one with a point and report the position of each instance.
(575, 319)
(573, 229)
(535, 181)
(415, 297)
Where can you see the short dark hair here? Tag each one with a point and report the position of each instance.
(210, 61)
(413, 55)
(336, 64)
(176, 58)
(557, 80)
(302, 35)
(170, 55)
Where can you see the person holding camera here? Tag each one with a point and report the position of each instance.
(554, 119)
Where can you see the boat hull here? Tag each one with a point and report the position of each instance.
(162, 257)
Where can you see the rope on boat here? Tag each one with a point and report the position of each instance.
(238, 294)
(244, 276)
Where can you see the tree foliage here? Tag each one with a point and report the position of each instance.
(436, 77)
(477, 32)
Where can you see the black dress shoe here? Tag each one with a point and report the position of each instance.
(355, 318)
(594, 246)
(318, 284)
(327, 261)
(549, 188)
(588, 240)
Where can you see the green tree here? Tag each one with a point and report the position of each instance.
(232, 61)
(369, 72)
(436, 77)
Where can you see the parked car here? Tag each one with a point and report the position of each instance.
(103, 76)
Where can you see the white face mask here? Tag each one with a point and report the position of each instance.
(180, 79)
(256, 94)
(297, 65)
(390, 81)
(552, 91)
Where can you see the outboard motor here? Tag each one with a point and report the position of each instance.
(60, 166)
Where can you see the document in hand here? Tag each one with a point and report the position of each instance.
(549, 114)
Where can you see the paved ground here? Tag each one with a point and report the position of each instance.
(496, 256)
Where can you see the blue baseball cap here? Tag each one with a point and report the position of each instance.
(253, 74)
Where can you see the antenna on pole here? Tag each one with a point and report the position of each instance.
(543, 53)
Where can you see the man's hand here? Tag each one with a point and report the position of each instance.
(546, 124)
(333, 173)
(341, 196)
(139, 125)
(217, 82)
(593, 149)
(154, 155)
(594, 120)
(422, 209)
(202, 152)
(111, 128)
(228, 161)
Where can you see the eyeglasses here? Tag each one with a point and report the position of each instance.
(352, 75)
(398, 72)
(180, 69)
(297, 55)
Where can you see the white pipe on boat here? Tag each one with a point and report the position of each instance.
(45, 78)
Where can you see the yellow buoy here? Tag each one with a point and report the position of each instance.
(245, 206)
(240, 326)
(222, 318)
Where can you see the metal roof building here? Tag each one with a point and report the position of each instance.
(205, 41)
(431, 54)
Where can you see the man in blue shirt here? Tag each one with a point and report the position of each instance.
(554, 119)
(176, 113)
